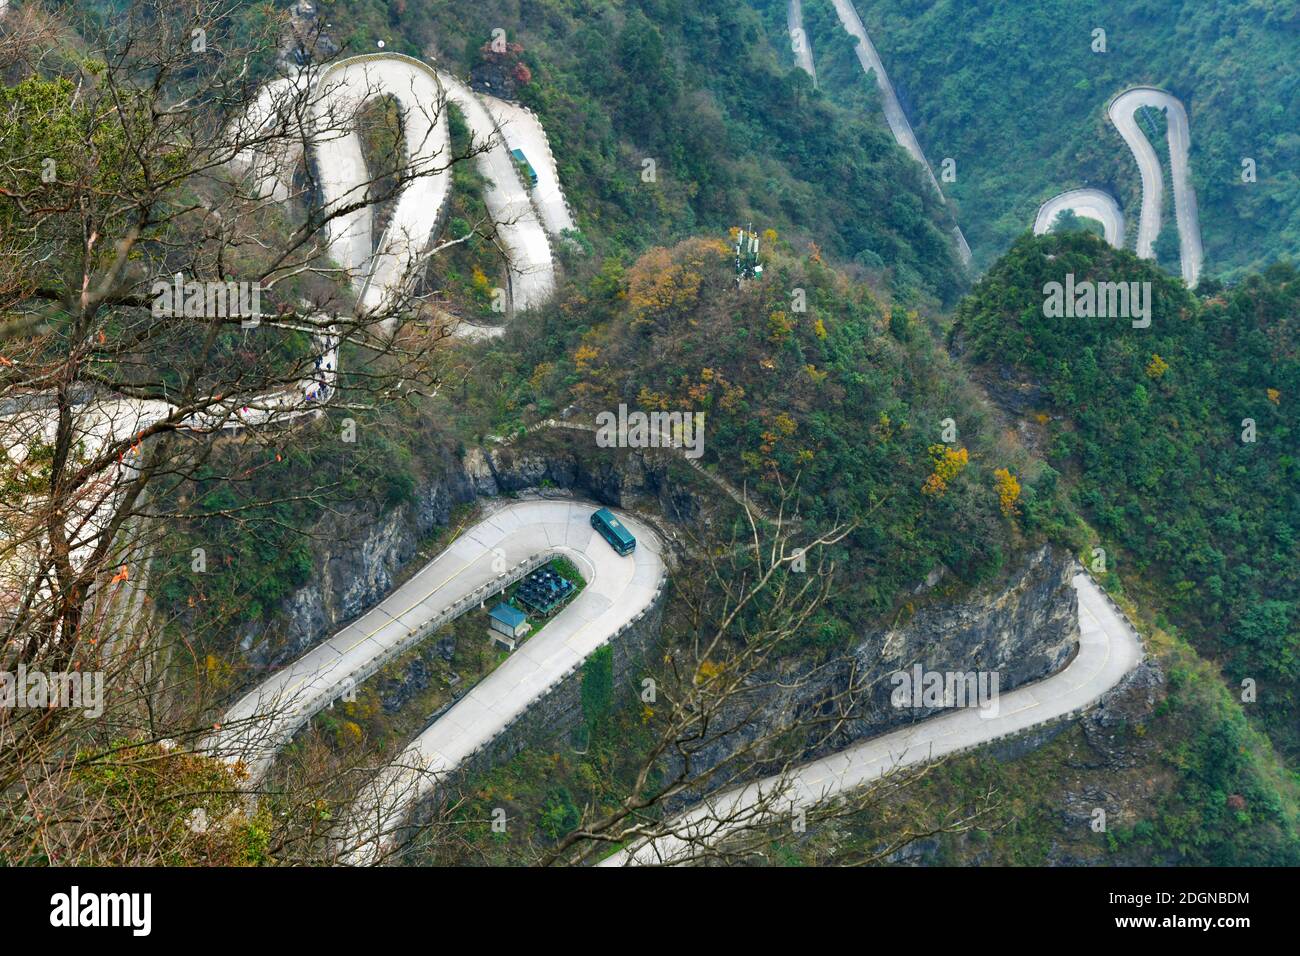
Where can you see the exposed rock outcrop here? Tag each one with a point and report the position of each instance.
(362, 551)
(360, 555)
(631, 479)
(1020, 629)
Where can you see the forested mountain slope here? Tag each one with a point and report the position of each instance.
(704, 90)
(1181, 438)
(1014, 93)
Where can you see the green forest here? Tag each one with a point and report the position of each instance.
(1013, 91)
(944, 416)
(847, 396)
(700, 88)
(1183, 440)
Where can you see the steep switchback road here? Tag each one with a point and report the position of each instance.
(422, 93)
(380, 273)
(1108, 650)
(495, 552)
(522, 130)
(1122, 112)
(388, 270)
(1093, 203)
(528, 253)
(1089, 203)
(1100, 205)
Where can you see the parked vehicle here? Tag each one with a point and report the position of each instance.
(525, 167)
(613, 531)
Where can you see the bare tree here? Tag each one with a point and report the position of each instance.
(158, 162)
(167, 315)
(727, 713)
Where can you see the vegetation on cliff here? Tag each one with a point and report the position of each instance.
(1180, 439)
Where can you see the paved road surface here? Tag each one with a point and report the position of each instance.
(799, 41)
(388, 268)
(1108, 649)
(387, 271)
(619, 590)
(532, 270)
(1122, 112)
(523, 131)
(894, 115)
(472, 570)
(1090, 203)
(380, 272)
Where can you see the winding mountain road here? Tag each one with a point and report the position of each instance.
(1123, 113)
(1108, 650)
(498, 550)
(1089, 203)
(388, 269)
(1092, 203)
(522, 130)
(517, 537)
(618, 593)
(501, 548)
(1096, 204)
(873, 66)
(317, 108)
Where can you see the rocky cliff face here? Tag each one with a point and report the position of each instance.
(635, 480)
(363, 551)
(1020, 629)
(1024, 628)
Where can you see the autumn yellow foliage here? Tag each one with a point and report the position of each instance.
(582, 358)
(652, 400)
(1008, 490)
(948, 464)
(780, 326)
(540, 374)
(709, 670)
(665, 283)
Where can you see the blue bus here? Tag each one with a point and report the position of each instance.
(613, 531)
(525, 167)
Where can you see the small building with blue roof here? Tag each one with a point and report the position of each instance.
(508, 625)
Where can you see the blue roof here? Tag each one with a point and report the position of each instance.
(510, 616)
